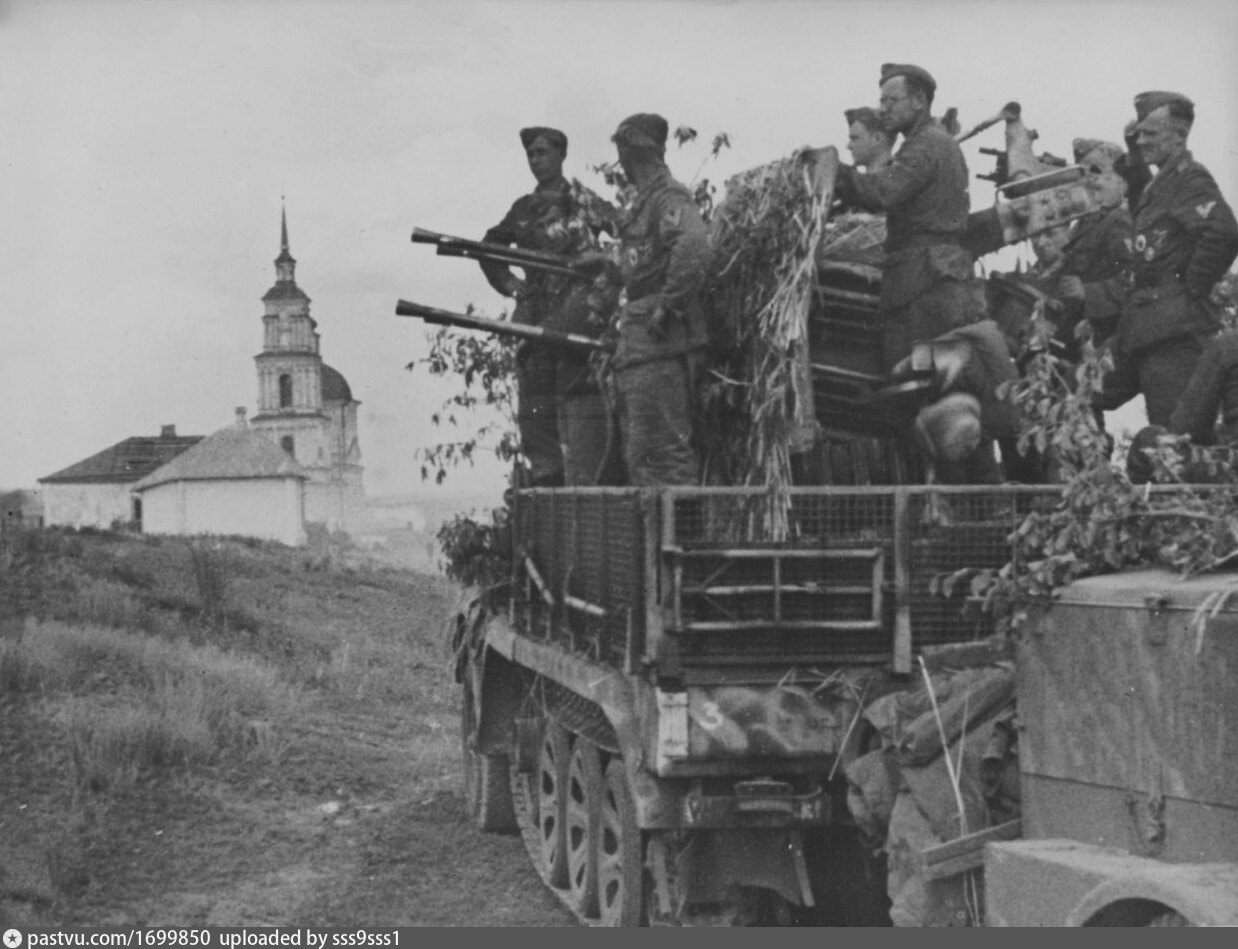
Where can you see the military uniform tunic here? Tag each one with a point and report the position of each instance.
(663, 255)
(559, 406)
(1184, 240)
(927, 284)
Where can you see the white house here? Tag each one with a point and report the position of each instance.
(233, 482)
(98, 491)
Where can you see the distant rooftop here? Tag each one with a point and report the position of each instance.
(229, 453)
(126, 461)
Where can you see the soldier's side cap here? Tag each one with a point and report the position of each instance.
(1147, 102)
(890, 70)
(642, 130)
(1082, 147)
(864, 113)
(553, 136)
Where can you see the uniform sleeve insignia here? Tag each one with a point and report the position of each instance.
(672, 217)
(1205, 209)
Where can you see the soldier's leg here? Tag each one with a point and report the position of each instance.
(656, 421)
(584, 423)
(1164, 371)
(947, 305)
(537, 417)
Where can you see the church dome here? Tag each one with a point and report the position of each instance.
(334, 386)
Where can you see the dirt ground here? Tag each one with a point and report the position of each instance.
(359, 822)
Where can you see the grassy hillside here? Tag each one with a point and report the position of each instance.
(138, 672)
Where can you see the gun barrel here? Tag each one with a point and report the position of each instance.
(432, 314)
(463, 247)
(515, 260)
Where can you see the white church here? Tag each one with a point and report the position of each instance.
(296, 462)
(305, 406)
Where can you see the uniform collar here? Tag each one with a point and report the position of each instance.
(923, 122)
(1176, 165)
(559, 184)
(657, 178)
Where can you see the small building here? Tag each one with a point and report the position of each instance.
(234, 482)
(98, 491)
(22, 508)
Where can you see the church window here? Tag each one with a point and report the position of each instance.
(285, 391)
(288, 445)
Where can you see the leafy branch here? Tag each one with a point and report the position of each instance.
(1101, 522)
(485, 368)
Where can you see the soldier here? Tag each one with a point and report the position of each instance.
(1185, 238)
(958, 429)
(663, 250)
(558, 402)
(870, 144)
(1207, 411)
(1212, 387)
(927, 286)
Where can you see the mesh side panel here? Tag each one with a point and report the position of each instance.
(744, 543)
(721, 533)
(587, 544)
(746, 567)
(951, 532)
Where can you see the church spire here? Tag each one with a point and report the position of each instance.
(285, 263)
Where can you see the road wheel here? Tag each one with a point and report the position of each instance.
(620, 856)
(487, 787)
(582, 825)
(542, 799)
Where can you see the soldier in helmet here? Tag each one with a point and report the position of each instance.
(1184, 239)
(559, 405)
(927, 285)
(663, 253)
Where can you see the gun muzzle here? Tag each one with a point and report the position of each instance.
(1009, 112)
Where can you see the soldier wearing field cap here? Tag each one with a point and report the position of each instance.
(1184, 239)
(927, 287)
(663, 253)
(871, 145)
(559, 405)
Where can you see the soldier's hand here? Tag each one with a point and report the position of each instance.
(657, 325)
(1070, 287)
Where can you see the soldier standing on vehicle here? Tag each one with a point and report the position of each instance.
(558, 402)
(663, 253)
(871, 145)
(927, 283)
(1185, 238)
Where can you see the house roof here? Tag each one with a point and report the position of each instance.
(229, 453)
(125, 461)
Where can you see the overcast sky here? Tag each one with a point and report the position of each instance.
(146, 146)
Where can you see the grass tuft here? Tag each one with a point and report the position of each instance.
(137, 705)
